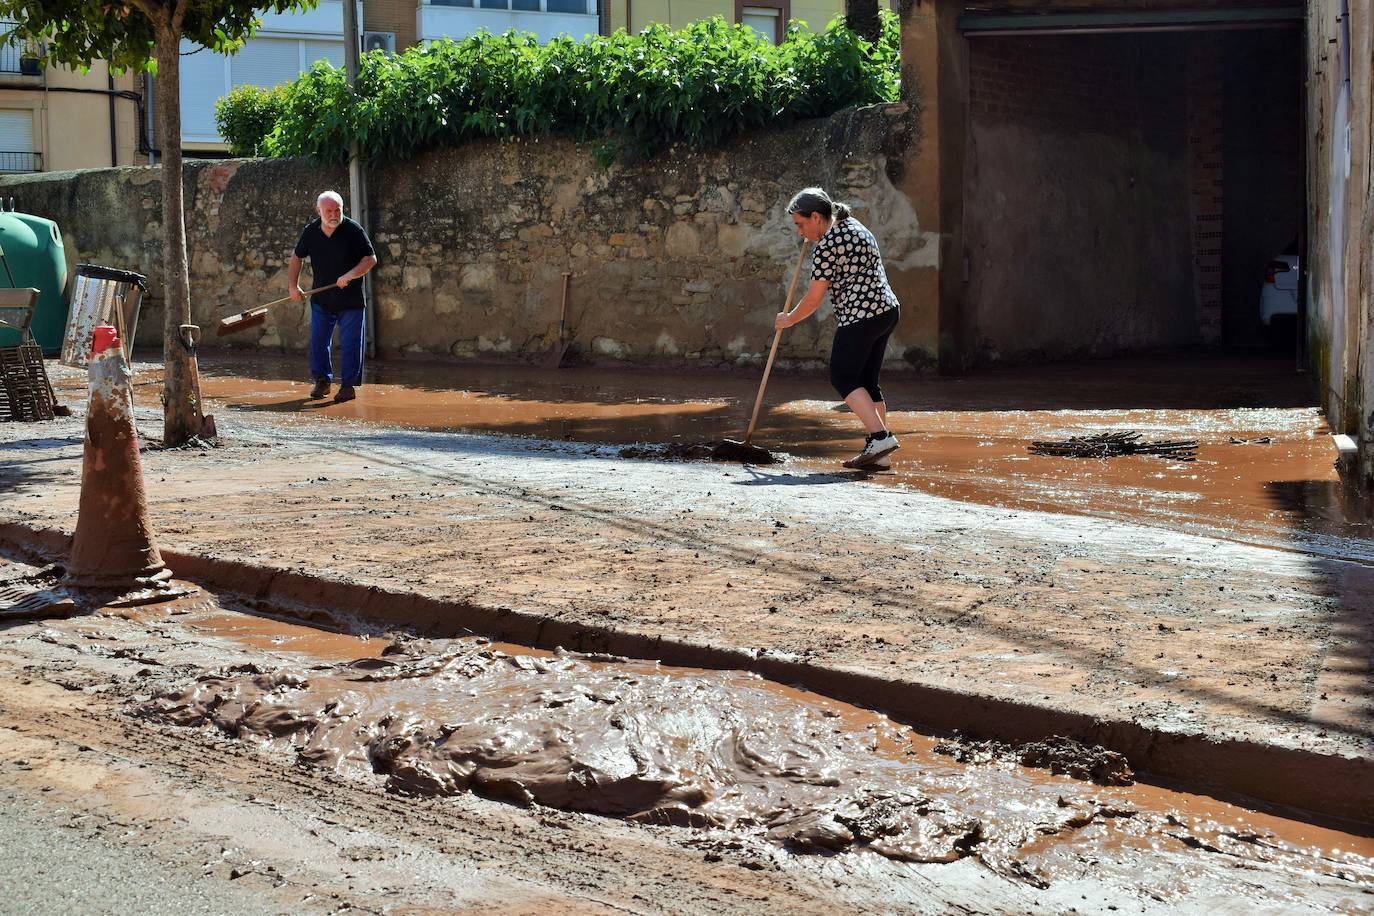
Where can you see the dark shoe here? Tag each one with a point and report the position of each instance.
(346, 393)
(321, 389)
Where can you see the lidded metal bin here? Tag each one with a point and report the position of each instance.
(101, 295)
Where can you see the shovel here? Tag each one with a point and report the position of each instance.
(190, 340)
(554, 358)
(734, 450)
(256, 316)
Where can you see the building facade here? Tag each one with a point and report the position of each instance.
(53, 118)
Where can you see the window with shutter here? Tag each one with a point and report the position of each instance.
(16, 142)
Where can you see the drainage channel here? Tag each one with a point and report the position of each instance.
(1338, 788)
(738, 758)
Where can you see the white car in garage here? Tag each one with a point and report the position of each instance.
(1279, 295)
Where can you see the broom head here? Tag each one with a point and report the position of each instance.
(734, 450)
(242, 321)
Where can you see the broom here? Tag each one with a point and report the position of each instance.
(256, 316)
(746, 451)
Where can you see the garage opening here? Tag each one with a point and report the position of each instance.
(1132, 185)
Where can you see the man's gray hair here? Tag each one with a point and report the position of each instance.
(329, 195)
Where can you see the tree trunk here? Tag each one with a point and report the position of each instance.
(861, 16)
(181, 399)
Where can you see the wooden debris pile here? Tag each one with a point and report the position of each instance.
(1113, 445)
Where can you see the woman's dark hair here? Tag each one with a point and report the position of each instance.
(814, 200)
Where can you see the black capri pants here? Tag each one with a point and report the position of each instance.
(856, 357)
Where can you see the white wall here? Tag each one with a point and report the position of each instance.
(455, 22)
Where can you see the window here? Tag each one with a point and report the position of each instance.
(16, 142)
(578, 7)
(766, 20)
(266, 62)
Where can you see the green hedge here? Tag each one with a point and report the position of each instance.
(634, 94)
(247, 115)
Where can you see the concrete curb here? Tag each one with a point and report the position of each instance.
(1331, 785)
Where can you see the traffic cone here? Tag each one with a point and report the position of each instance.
(113, 550)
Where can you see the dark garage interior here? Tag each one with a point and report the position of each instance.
(1126, 189)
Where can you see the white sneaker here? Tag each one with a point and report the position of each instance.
(881, 463)
(873, 450)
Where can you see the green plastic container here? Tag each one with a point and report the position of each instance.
(34, 257)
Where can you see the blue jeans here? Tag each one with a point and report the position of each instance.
(352, 334)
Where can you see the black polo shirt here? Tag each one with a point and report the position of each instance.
(332, 256)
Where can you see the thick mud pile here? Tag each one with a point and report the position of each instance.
(1057, 754)
(698, 749)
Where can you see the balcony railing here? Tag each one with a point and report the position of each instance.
(15, 161)
(13, 58)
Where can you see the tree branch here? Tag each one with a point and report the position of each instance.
(179, 16)
(154, 11)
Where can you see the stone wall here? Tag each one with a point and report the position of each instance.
(684, 258)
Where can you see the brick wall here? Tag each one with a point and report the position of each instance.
(1205, 150)
(1076, 203)
(392, 16)
(1067, 83)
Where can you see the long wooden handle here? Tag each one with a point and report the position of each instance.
(563, 309)
(773, 351)
(307, 294)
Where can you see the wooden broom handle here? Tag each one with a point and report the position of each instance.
(307, 294)
(773, 351)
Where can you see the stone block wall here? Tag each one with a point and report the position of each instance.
(682, 259)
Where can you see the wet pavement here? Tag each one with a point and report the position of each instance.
(1265, 468)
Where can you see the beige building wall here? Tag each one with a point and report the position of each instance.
(72, 116)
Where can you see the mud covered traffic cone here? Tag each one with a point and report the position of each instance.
(113, 550)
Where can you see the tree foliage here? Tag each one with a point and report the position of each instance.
(77, 33)
(247, 115)
(635, 94)
(865, 18)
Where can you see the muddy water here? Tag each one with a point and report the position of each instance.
(731, 752)
(1265, 466)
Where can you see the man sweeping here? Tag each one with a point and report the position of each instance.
(340, 253)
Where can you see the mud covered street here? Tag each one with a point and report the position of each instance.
(114, 732)
(1210, 618)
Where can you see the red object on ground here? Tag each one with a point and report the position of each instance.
(102, 338)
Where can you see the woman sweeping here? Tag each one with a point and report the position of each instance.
(847, 264)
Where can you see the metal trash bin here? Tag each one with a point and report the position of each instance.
(101, 295)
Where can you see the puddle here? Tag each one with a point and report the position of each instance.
(733, 754)
(282, 636)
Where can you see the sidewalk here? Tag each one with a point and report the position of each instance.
(1203, 658)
